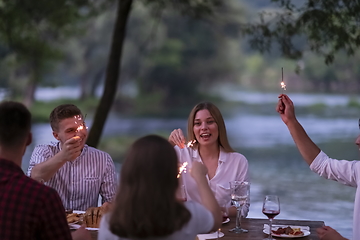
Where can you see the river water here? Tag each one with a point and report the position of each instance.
(275, 164)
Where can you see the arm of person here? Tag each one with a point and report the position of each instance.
(81, 234)
(45, 170)
(307, 148)
(328, 233)
(198, 172)
(177, 138)
(108, 185)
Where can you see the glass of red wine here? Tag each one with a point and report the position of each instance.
(271, 208)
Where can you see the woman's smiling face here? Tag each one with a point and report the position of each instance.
(205, 128)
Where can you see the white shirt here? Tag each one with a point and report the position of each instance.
(345, 172)
(232, 166)
(79, 182)
(202, 221)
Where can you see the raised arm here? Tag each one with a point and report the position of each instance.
(45, 170)
(307, 148)
(198, 172)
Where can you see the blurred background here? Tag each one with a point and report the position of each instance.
(173, 57)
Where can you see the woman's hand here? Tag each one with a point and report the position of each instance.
(328, 233)
(177, 138)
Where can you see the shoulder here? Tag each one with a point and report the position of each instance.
(38, 192)
(202, 219)
(234, 156)
(96, 152)
(104, 230)
(196, 208)
(47, 146)
(46, 149)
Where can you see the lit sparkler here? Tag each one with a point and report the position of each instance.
(283, 86)
(182, 169)
(191, 143)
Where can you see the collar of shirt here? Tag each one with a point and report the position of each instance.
(222, 158)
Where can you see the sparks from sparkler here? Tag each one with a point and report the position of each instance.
(283, 86)
(81, 125)
(191, 143)
(182, 169)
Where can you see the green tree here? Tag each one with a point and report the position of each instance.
(32, 31)
(192, 8)
(324, 27)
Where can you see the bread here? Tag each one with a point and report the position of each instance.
(93, 216)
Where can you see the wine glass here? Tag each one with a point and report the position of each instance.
(240, 192)
(271, 208)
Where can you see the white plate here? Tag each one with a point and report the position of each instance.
(306, 233)
(213, 235)
(76, 226)
(78, 212)
(226, 221)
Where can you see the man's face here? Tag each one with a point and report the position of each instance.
(71, 127)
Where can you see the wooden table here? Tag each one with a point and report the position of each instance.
(255, 227)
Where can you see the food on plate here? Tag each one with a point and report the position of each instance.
(73, 217)
(289, 231)
(93, 216)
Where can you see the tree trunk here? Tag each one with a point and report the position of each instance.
(112, 73)
(30, 88)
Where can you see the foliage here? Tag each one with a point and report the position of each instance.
(181, 56)
(327, 25)
(41, 110)
(32, 29)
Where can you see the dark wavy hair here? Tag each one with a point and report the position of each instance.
(145, 204)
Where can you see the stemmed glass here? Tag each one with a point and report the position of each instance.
(240, 192)
(271, 208)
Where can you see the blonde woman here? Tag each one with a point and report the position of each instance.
(206, 126)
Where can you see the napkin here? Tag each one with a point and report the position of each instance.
(210, 236)
(274, 227)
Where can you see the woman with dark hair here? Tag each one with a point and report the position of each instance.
(207, 129)
(146, 206)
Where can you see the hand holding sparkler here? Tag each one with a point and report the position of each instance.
(177, 138)
(71, 148)
(285, 108)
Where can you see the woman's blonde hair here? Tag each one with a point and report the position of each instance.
(216, 114)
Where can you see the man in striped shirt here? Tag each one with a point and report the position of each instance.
(78, 172)
(28, 209)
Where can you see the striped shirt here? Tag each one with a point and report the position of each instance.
(79, 182)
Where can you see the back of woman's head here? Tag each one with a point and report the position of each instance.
(145, 204)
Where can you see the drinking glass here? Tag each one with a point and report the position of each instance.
(240, 192)
(271, 208)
